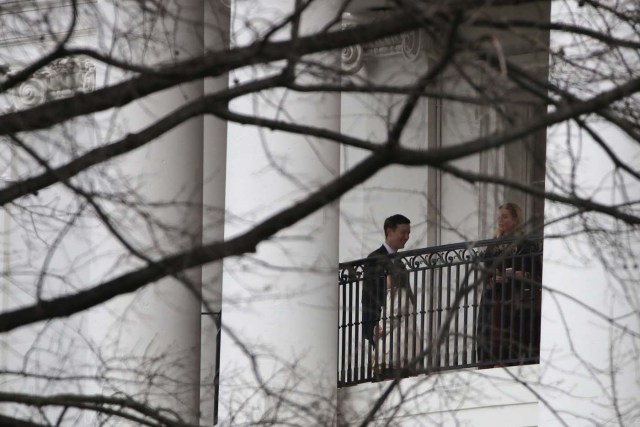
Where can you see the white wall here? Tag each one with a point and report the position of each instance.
(590, 302)
(466, 398)
(395, 189)
(591, 364)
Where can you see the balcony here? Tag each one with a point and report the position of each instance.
(464, 305)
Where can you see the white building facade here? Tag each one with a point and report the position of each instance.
(254, 338)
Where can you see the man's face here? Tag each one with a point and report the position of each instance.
(398, 237)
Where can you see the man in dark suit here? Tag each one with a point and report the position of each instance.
(378, 268)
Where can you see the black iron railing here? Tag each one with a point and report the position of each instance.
(472, 304)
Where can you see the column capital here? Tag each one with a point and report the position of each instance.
(409, 45)
(60, 79)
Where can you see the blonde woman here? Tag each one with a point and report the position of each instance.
(508, 320)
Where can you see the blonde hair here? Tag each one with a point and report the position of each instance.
(518, 216)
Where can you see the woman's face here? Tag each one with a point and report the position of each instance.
(506, 222)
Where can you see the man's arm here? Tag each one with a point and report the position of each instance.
(400, 278)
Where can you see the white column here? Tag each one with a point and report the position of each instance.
(216, 38)
(154, 334)
(282, 301)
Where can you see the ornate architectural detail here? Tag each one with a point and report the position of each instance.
(352, 59)
(409, 45)
(412, 45)
(60, 79)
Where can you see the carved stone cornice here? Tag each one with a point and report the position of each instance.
(60, 79)
(407, 45)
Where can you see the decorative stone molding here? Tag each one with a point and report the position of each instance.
(60, 79)
(408, 45)
(352, 59)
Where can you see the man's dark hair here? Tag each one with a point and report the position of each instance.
(393, 221)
